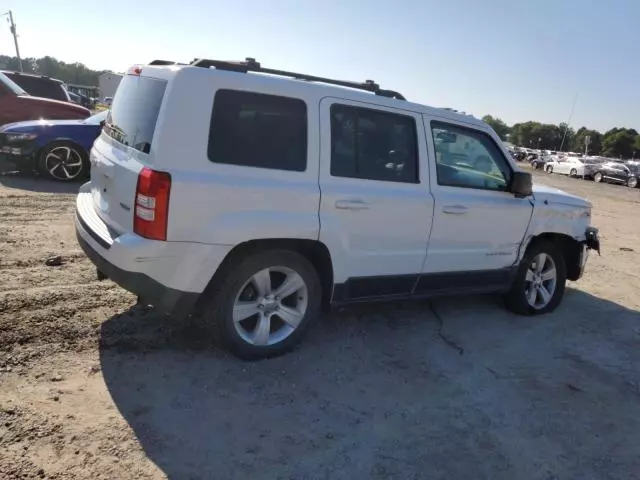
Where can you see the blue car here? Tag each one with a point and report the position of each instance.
(59, 149)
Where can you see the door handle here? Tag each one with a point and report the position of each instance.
(455, 209)
(351, 205)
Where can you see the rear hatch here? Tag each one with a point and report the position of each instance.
(125, 147)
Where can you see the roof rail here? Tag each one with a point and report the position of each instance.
(250, 65)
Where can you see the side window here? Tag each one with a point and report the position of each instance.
(258, 130)
(468, 158)
(373, 145)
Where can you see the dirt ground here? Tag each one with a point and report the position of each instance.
(92, 388)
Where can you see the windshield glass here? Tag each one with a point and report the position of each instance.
(40, 87)
(134, 111)
(11, 85)
(97, 118)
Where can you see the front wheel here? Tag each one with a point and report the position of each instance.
(573, 173)
(597, 177)
(264, 304)
(64, 162)
(632, 182)
(549, 169)
(540, 280)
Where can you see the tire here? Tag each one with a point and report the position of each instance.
(534, 165)
(518, 299)
(549, 169)
(64, 162)
(573, 173)
(597, 177)
(262, 333)
(632, 182)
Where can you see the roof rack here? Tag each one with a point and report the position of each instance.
(250, 65)
(164, 62)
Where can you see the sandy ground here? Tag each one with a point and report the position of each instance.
(92, 388)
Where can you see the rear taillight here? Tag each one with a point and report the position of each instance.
(152, 204)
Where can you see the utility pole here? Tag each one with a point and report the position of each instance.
(12, 27)
(587, 141)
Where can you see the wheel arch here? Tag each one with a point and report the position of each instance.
(570, 247)
(314, 251)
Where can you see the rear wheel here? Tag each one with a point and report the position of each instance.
(549, 169)
(264, 304)
(534, 165)
(597, 177)
(573, 173)
(540, 281)
(632, 182)
(64, 162)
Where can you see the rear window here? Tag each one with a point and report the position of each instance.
(258, 130)
(11, 85)
(134, 111)
(40, 87)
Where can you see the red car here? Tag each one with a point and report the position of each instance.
(16, 105)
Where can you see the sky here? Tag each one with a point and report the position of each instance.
(515, 59)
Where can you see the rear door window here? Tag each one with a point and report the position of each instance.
(134, 111)
(258, 130)
(373, 145)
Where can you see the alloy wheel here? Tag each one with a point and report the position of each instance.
(540, 281)
(632, 182)
(270, 306)
(63, 163)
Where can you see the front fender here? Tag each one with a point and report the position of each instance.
(563, 219)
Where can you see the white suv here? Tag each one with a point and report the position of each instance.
(251, 197)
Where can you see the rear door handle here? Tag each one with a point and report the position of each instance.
(352, 205)
(455, 209)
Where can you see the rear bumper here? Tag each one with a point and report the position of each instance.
(149, 290)
(168, 275)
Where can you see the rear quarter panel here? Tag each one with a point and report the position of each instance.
(227, 204)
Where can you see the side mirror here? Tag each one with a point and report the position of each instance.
(521, 184)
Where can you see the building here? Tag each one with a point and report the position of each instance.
(108, 84)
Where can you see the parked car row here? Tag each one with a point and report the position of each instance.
(598, 169)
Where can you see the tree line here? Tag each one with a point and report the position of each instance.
(73, 73)
(616, 143)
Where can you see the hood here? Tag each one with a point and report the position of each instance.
(557, 196)
(56, 103)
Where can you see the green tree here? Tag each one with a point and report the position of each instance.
(567, 136)
(636, 147)
(74, 73)
(619, 142)
(538, 135)
(501, 128)
(595, 141)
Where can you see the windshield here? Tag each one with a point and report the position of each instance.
(40, 87)
(97, 118)
(11, 85)
(134, 111)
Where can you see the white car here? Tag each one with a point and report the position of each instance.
(251, 200)
(572, 166)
